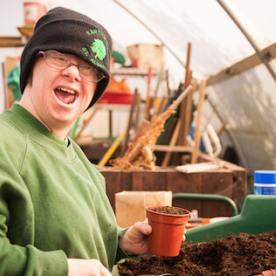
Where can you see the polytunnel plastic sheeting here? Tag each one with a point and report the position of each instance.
(216, 41)
(247, 103)
(203, 23)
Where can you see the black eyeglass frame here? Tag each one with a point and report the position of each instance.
(44, 54)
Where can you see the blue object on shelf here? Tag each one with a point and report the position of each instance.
(265, 182)
(192, 134)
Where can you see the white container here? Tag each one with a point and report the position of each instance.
(265, 183)
(33, 10)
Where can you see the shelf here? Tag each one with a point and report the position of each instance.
(117, 107)
(113, 107)
(132, 71)
(9, 41)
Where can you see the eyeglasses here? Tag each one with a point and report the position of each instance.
(59, 61)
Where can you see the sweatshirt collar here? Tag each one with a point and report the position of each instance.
(34, 123)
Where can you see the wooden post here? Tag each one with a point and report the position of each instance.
(132, 107)
(188, 113)
(86, 122)
(222, 128)
(181, 137)
(172, 143)
(138, 110)
(148, 98)
(197, 136)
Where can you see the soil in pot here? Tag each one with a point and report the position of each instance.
(169, 210)
(244, 255)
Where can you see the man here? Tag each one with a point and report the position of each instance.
(55, 218)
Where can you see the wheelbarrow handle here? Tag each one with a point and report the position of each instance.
(233, 205)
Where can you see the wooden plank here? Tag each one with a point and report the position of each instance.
(239, 175)
(221, 183)
(239, 183)
(242, 66)
(166, 148)
(162, 180)
(137, 180)
(198, 167)
(113, 180)
(148, 181)
(185, 183)
(9, 41)
(126, 181)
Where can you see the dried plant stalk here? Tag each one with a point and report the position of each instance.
(138, 153)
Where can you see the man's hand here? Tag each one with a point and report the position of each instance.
(81, 267)
(135, 239)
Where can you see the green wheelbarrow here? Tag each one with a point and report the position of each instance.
(258, 215)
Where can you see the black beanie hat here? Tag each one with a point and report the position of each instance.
(70, 32)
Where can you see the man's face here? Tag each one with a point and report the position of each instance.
(59, 97)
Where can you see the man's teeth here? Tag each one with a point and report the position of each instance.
(67, 90)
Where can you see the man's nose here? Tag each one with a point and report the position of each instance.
(73, 71)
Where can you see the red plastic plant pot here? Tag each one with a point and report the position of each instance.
(167, 230)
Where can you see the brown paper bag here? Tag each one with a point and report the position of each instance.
(130, 205)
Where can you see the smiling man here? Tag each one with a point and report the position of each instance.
(64, 68)
(55, 217)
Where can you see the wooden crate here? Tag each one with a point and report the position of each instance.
(229, 181)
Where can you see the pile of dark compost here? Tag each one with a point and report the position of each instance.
(241, 254)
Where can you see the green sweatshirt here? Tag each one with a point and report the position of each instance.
(53, 204)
